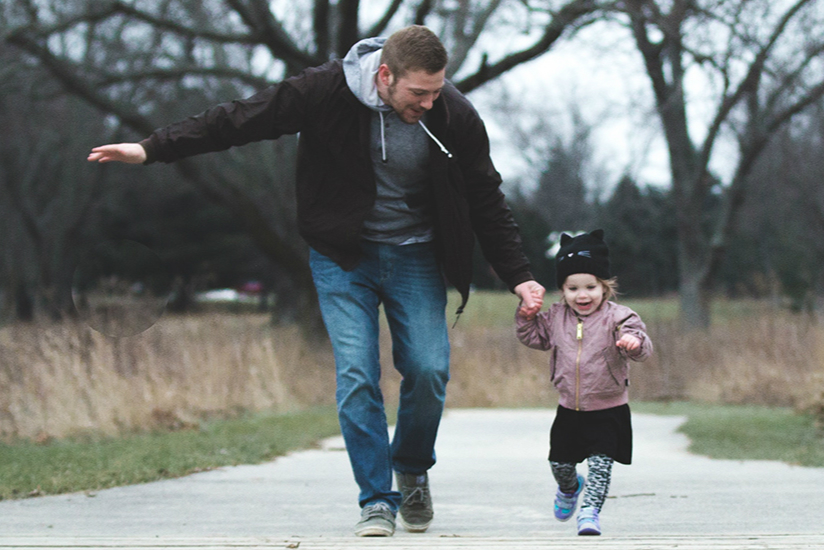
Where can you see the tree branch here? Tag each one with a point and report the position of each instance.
(561, 21)
(180, 72)
(269, 32)
(422, 11)
(230, 196)
(347, 28)
(320, 28)
(650, 52)
(759, 136)
(74, 83)
(782, 117)
(102, 12)
(781, 91)
(381, 24)
(464, 39)
(749, 85)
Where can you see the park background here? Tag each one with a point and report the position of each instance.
(699, 153)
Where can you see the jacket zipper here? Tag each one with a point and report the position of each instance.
(580, 335)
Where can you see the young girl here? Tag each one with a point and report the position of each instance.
(589, 340)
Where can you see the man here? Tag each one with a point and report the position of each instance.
(394, 183)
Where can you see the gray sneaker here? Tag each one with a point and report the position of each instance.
(416, 504)
(377, 520)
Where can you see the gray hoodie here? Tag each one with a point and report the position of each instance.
(400, 157)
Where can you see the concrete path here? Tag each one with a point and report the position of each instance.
(492, 489)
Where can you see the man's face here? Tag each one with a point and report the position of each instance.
(411, 95)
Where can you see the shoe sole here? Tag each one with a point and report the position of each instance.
(588, 532)
(414, 527)
(374, 532)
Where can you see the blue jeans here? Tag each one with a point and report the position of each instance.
(408, 281)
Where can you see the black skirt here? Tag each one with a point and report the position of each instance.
(577, 435)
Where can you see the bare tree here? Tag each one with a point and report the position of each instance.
(763, 58)
(46, 196)
(137, 61)
(787, 221)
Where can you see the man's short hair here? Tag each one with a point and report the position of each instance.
(414, 48)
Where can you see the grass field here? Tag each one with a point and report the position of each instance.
(83, 411)
(747, 432)
(28, 469)
(496, 309)
(93, 463)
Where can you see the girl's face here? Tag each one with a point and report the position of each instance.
(583, 292)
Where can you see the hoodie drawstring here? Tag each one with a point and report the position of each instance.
(383, 139)
(444, 150)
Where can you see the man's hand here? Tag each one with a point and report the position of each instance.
(532, 299)
(130, 153)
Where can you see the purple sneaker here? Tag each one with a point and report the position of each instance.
(565, 503)
(588, 523)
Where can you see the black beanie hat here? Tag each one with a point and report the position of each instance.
(587, 253)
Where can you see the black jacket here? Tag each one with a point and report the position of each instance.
(335, 182)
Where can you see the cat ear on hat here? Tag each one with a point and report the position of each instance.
(566, 238)
(598, 234)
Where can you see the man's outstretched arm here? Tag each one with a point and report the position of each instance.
(130, 153)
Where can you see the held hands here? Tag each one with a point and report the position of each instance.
(532, 299)
(628, 342)
(130, 153)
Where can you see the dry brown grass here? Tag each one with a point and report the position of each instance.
(774, 358)
(769, 358)
(489, 368)
(64, 379)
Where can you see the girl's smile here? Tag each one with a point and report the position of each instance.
(583, 293)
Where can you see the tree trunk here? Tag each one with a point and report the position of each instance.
(23, 304)
(694, 300)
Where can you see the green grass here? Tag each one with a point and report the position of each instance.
(743, 432)
(490, 308)
(90, 464)
(486, 308)
(93, 463)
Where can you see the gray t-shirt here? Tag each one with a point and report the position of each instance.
(402, 212)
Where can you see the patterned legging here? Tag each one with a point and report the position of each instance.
(599, 476)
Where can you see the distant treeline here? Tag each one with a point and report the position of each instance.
(776, 250)
(65, 212)
(78, 74)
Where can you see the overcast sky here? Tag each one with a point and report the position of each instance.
(600, 72)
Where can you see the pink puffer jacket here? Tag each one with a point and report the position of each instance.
(588, 369)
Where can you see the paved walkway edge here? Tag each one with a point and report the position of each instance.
(416, 542)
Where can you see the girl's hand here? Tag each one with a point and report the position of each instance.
(527, 313)
(628, 342)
